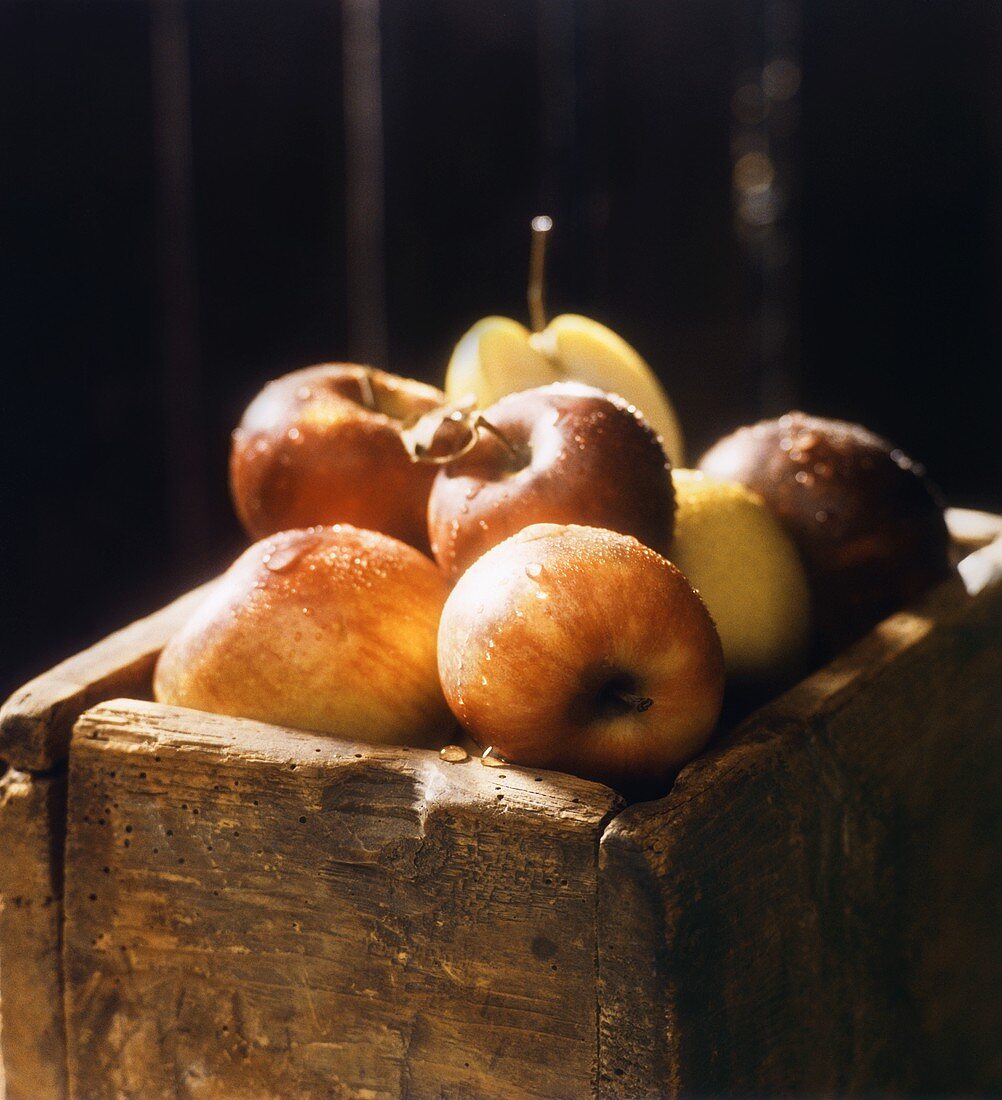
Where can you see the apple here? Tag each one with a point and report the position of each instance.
(582, 650)
(498, 356)
(868, 524)
(322, 445)
(564, 453)
(328, 628)
(744, 565)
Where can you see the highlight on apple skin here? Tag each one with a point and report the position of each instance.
(329, 628)
(567, 453)
(322, 445)
(582, 650)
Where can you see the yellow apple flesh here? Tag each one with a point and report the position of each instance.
(499, 356)
(329, 628)
(746, 568)
(582, 650)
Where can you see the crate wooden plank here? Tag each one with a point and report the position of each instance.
(813, 909)
(32, 1040)
(253, 911)
(37, 720)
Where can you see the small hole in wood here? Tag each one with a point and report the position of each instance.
(142, 775)
(302, 821)
(156, 851)
(170, 832)
(358, 756)
(93, 897)
(181, 860)
(157, 759)
(128, 828)
(126, 843)
(106, 870)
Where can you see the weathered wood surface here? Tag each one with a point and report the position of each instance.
(258, 912)
(37, 720)
(814, 907)
(32, 1039)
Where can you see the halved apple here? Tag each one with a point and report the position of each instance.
(499, 356)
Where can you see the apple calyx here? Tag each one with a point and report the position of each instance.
(445, 434)
(615, 694)
(639, 703)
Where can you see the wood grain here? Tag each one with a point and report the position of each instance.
(810, 907)
(32, 1039)
(37, 720)
(253, 911)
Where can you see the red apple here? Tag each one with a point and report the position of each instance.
(867, 523)
(563, 453)
(582, 650)
(330, 629)
(322, 445)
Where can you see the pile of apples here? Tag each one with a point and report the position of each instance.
(523, 553)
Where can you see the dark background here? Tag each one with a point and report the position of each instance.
(778, 203)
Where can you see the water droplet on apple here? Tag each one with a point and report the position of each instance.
(262, 446)
(821, 516)
(307, 610)
(786, 443)
(294, 435)
(490, 643)
(304, 393)
(542, 595)
(803, 478)
(482, 524)
(483, 681)
(533, 569)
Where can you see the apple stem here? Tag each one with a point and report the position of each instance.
(639, 703)
(519, 454)
(541, 227)
(368, 394)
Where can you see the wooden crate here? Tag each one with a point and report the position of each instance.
(254, 911)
